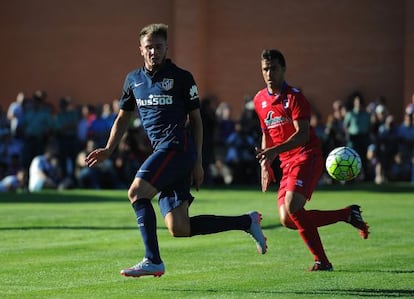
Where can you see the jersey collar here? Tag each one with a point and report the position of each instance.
(167, 63)
(280, 96)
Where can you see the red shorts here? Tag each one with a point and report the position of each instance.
(301, 175)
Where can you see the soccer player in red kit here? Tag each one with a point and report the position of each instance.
(284, 114)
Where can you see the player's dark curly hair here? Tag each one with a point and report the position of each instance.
(155, 30)
(273, 54)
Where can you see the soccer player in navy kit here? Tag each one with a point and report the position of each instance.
(168, 104)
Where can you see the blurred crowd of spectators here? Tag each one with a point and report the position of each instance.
(386, 146)
(44, 147)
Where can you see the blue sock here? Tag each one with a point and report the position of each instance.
(147, 224)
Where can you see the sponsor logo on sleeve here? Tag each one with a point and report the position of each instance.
(193, 92)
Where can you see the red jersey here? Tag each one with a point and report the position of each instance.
(276, 115)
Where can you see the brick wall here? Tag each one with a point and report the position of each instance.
(85, 48)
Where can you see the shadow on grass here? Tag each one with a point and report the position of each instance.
(372, 292)
(370, 187)
(65, 227)
(272, 226)
(383, 293)
(393, 187)
(393, 271)
(85, 196)
(57, 227)
(67, 196)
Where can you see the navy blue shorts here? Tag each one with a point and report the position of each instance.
(170, 172)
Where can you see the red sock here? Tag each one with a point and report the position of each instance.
(321, 218)
(309, 234)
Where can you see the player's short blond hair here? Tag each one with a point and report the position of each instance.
(154, 30)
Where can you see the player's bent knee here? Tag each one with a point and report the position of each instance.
(286, 222)
(141, 189)
(132, 196)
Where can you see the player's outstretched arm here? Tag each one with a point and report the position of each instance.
(118, 129)
(267, 176)
(266, 158)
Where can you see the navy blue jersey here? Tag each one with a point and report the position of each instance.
(164, 100)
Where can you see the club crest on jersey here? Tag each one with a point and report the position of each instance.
(167, 84)
(285, 103)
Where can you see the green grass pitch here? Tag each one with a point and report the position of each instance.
(72, 244)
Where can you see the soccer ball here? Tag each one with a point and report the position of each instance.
(343, 163)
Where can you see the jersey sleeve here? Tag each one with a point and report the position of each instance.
(127, 100)
(256, 101)
(301, 107)
(191, 96)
